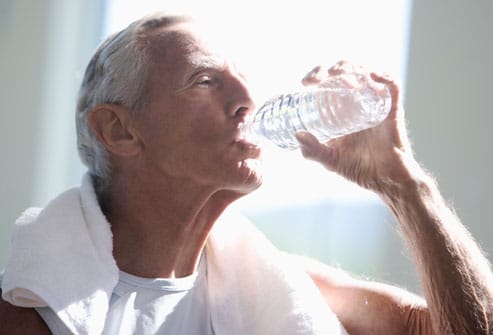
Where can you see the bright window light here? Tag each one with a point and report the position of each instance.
(276, 43)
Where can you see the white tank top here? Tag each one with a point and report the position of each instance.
(143, 306)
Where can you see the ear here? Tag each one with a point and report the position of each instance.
(112, 126)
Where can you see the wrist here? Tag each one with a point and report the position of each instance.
(407, 182)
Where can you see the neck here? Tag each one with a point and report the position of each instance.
(160, 228)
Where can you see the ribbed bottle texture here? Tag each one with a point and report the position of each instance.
(346, 104)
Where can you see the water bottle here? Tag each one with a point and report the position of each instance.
(345, 104)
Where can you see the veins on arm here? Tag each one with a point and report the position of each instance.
(456, 277)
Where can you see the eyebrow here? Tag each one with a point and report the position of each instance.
(201, 62)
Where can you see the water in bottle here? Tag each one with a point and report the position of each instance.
(345, 104)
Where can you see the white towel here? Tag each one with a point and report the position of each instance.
(61, 257)
(262, 291)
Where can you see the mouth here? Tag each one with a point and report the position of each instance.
(245, 144)
(244, 140)
(252, 150)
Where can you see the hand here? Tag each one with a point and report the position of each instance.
(372, 158)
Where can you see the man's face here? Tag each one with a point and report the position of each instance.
(190, 127)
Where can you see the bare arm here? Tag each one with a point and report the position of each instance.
(365, 307)
(20, 321)
(456, 277)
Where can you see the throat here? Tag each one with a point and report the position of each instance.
(168, 255)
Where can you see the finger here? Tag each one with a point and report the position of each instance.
(310, 147)
(393, 87)
(343, 66)
(313, 77)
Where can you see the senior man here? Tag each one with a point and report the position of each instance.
(144, 245)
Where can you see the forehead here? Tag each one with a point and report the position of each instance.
(183, 47)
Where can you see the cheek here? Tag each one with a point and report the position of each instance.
(206, 125)
(200, 133)
(191, 127)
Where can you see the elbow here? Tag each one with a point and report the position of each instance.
(419, 321)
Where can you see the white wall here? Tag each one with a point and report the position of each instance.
(44, 45)
(449, 104)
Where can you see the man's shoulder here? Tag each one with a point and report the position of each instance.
(18, 320)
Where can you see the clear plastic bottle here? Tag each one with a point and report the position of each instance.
(345, 104)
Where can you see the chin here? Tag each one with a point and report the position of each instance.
(250, 177)
(253, 186)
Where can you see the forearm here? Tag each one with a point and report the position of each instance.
(456, 277)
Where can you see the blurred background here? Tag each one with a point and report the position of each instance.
(440, 52)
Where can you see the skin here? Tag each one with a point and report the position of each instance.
(456, 277)
(179, 164)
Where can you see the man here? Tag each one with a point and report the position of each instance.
(158, 127)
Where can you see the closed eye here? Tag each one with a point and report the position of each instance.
(205, 81)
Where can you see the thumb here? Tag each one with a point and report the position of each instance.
(310, 147)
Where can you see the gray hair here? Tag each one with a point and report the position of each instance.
(117, 74)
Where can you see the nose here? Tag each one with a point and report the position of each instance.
(240, 102)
